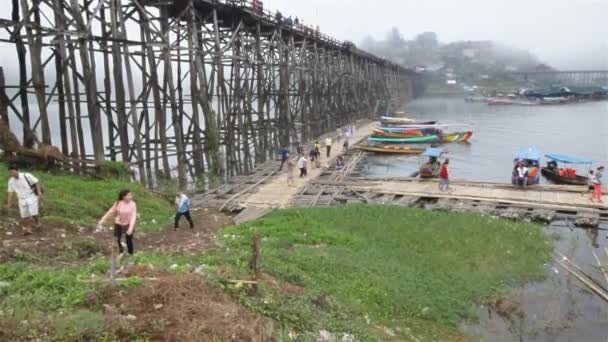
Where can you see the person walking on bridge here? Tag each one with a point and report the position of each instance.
(328, 143)
(444, 176)
(291, 165)
(302, 166)
(597, 183)
(284, 155)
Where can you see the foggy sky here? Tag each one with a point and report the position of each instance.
(567, 34)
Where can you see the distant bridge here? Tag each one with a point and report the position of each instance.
(565, 77)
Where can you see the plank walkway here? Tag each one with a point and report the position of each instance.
(540, 195)
(277, 194)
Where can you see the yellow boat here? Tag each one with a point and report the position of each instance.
(390, 149)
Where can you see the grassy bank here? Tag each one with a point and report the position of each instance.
(83, 200)
(375, 271)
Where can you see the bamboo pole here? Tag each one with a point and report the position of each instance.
(585, 282)
(599, 264)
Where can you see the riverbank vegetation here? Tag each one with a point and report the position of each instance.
(379, 271)
(360, 272)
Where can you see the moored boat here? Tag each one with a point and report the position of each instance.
(403, 134)
(396, 119)
(406, 124)
(390, 149)
(424, 139)
(398, 128)
(457, 137)
(451, 137)
(526, 167)
(430, 168)
(564, 176)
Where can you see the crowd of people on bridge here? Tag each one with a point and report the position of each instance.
(301, 159)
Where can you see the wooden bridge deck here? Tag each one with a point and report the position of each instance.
(548, 196)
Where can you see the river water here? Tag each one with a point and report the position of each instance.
(559, 308)
(499, 131)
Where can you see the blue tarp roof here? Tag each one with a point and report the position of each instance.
(531, 153)
(433, 152)
(567, 159)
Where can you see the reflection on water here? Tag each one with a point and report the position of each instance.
(559, 308)
(577, 129)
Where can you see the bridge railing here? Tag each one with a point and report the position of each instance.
(256, 8)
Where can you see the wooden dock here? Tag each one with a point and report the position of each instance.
(255, 195)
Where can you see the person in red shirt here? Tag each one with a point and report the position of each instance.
(444, 176)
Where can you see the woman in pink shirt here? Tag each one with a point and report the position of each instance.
(125, 215)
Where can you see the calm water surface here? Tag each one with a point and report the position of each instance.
(499, 131)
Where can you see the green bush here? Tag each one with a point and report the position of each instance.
(114, 169)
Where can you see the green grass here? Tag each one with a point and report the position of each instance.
(402, 268)
(84, 200)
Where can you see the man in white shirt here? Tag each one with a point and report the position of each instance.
(522, 174)
(328, 143)
(24, 185)
(302, 166)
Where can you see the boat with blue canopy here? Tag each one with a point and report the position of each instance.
(431, 166)
(526, 166)
(566, 174)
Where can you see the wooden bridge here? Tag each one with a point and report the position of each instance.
(267, 189)
(210, 87)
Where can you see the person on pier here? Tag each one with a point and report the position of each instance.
(318, 153)
(340, 169)
(291, 165)
(284, 155)
(521, 171)
(597, 183)
(328, 143)
(345, 145)
(302, 166)
(444, 176)
(313, 156)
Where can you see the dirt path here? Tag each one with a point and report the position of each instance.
(62, 243)
(277, 194)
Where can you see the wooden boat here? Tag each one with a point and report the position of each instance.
(403, 134)
(399, 128)
(406, 124)
(424, 139)
(397, 119)
(554, 176)
(430, 168)
(452, 137)
(529, 156)
(552, 171)
(390, 149)
(457, 137)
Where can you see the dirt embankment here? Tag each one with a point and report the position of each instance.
(181, 308)
(168, 306)
(60, 241)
